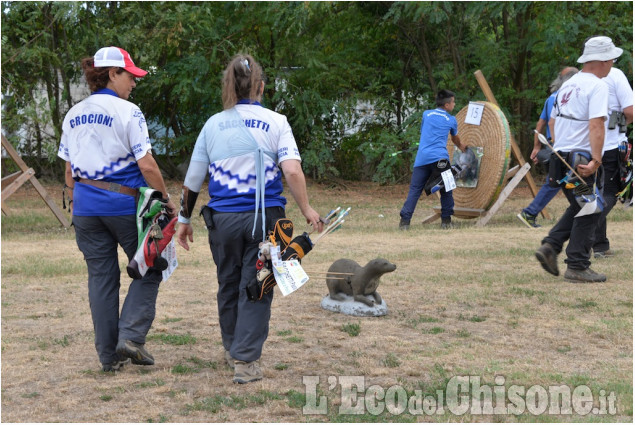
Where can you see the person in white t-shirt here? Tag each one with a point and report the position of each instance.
(578, 116)
(620, 101)
(245, 150)
(107, 150)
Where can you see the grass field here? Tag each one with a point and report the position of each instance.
(465, 302)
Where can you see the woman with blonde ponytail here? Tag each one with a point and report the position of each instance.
(245, 150)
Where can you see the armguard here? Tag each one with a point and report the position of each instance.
(188, 201)
(191, 187)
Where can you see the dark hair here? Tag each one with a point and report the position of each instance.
(97, 78)
(443, 97)
(241, 80)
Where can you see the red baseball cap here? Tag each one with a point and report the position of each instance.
(116, 56)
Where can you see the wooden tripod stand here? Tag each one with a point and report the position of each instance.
(13, 182)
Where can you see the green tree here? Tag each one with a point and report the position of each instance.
(352, 77)
(36, 74)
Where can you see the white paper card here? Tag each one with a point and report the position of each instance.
(448, 180)
(169, 253)
(290, 276)
(474, 113)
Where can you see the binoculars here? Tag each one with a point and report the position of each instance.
(617, 119)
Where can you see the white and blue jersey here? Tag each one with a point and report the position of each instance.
(103, 136)
(232, 180)
(435, 126)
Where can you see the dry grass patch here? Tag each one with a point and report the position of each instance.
(470, 301)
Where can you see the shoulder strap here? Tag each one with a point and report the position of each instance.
(561, 115)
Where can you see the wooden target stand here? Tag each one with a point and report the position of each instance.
(483, 207)
(13, 182)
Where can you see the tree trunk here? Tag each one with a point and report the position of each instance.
(423, 51)
(452, 42)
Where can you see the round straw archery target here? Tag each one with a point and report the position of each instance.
(494, 136)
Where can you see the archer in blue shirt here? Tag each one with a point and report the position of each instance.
(433, 157)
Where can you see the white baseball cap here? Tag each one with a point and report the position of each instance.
(599, 49)
(116, 56)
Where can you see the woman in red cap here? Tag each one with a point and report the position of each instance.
(107, 150)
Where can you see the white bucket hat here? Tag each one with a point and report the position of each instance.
(599, 49)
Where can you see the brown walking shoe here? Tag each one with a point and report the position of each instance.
(230, 360)
(583, 276)
(548, 259)
(135, 351)
(115, 366)
(245, 372)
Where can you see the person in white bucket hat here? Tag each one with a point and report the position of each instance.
(578, 117)
(599, 48)
(107, 150)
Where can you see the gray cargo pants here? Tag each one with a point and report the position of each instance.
(244, 324)
(98, 238)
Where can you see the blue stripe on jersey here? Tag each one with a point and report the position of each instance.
(106, 171)
(226, 199)
(92, 201)
(106, 91)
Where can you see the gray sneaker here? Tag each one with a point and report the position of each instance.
(548, 259)
(135, 351)
(230, 360)
(115, 366)
(446, 223)
(583, 276)
(245, 372)
(528, 220)
(603, 254)
(404, 224)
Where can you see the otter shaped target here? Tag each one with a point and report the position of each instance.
(486, 161)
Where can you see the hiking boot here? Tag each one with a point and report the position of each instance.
(603, 254)
(548, 259)
(528, 219)
(136, 352)
(245, 372)
(446, 223)
(115, 366)
(229, 359)
(404, 224)
(583, 276)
